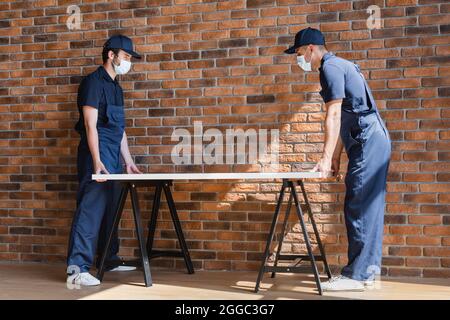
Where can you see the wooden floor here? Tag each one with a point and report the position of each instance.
(40, 281)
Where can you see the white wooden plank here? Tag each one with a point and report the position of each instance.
(210, 176)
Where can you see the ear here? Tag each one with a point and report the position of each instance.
(110, 54)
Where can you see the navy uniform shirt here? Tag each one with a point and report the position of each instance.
(92, 91)
(340, 79)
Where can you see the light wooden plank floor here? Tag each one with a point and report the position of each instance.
(42, 281)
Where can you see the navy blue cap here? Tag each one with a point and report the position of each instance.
(305, 37)
(121, 42)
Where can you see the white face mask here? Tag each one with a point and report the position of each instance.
(123, 68)
(303, 64)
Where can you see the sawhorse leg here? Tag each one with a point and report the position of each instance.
(153, 218)
(316, 232)
(305, 235)
(128, 187)
(140, 236)
(184, 253)
(269, 238)
(283, 233)
(310, 256)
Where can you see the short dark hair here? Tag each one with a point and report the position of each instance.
(106, 51)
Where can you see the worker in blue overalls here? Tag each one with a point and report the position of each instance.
(352, 121)
(103, 143)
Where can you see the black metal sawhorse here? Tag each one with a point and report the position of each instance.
(310, 256)
(146, 250)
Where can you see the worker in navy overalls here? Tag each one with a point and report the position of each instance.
(352, 121)
(103, 148)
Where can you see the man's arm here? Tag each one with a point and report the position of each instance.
(338, 150)
(332, 133)
(332, 127)
(126, 155)
(124, 150)
(90, 115)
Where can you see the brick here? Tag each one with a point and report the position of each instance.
(395, 3)
(420, 156)
(259, 3)
(404, 83)
(261, 99)
(436, 273)
(428, 82)
(186, 55)
(436, 251)
(420, 10)
(434, 209)
(322, 17)
(421, 30)
(393, 261)
(411, 230)
(437, 230)
(147, 12)
(405, 251)
(422, 262)
(422, 240)
(434, 124)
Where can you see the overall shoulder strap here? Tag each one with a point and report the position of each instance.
(370, 100)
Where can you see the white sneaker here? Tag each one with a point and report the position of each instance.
(123, 268)
(83, 279)
(368, 282)
(342, 283)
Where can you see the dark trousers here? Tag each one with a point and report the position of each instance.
(369, 152)
(96, 205)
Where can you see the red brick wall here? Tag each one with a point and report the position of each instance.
(221, 62)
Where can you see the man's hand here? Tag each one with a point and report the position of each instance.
(335, 164)
(132, 168)
(324, 166)
(100, 168)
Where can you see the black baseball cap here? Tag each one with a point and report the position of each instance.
(305, 37)
(121, 42)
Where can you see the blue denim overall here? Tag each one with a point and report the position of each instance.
(97, 201)
(368, 146)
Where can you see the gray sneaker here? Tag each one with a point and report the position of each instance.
(368, 282)
(342, 283)
(120, 265)
(84, 279)
(123, 268)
